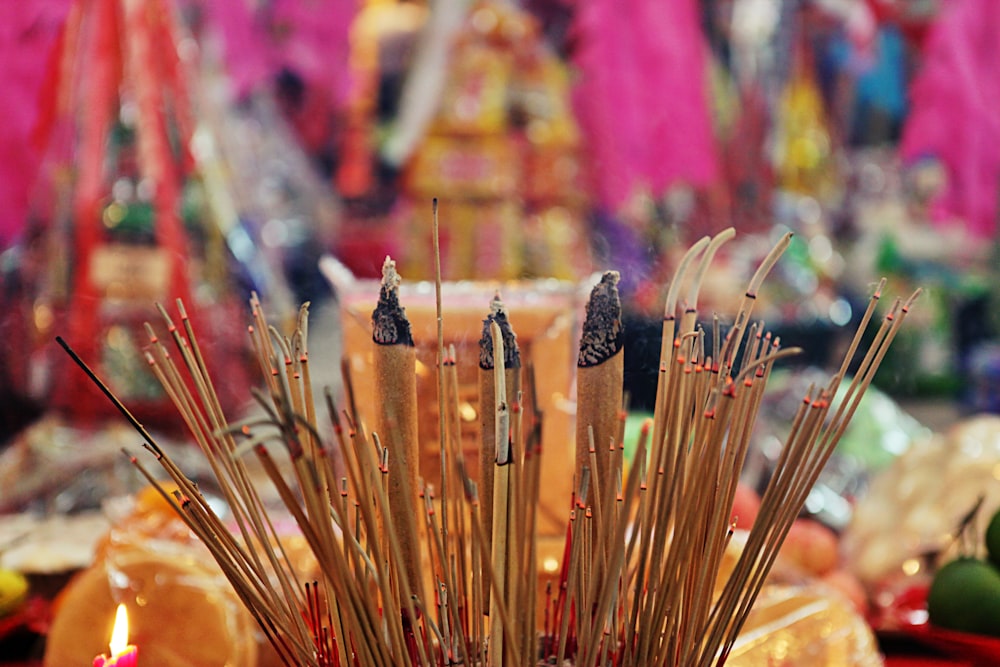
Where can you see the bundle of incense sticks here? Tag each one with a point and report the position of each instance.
(410, 574)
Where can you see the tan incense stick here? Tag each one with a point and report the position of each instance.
(394, 368)
(600, 375)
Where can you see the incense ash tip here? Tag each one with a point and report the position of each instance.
(389, 323)
(511, 352)
(390, 278)
(602, 329)
(496, 305)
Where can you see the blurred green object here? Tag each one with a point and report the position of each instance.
(633, 430)
(965, 596)
(929, 357)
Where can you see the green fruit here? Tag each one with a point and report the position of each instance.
(13, 591)
(965, 596)
(992, 538)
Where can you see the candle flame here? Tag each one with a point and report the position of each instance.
(119, 636)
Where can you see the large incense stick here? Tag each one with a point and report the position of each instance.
(510, 362)
(394, 368)
(600, 375)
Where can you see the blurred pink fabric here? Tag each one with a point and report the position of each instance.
(641, 96)
(310, 37)
(955, 114)
(28, 31)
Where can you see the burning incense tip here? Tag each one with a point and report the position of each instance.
(511, 352)
(389, 323)
(602, 329)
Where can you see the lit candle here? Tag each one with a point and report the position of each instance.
(123, 654)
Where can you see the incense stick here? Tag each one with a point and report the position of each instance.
(600, 375)
(510, 362)
(394, 368)
(639, 582)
